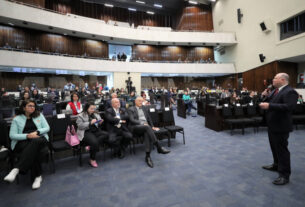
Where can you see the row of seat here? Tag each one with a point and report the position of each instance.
(163, 119)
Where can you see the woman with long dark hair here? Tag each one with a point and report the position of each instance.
(75, 105)
(89, 131)
(29, 135)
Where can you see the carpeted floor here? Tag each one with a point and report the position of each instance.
(213, 169)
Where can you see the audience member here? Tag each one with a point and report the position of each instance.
(89, 131)
(29, 135)
(75, 105)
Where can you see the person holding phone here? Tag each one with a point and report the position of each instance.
(89, 131)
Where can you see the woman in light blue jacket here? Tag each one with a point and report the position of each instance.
(28, 134)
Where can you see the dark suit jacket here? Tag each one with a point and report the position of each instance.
(281, 106)
(134, 117)
(111, 120)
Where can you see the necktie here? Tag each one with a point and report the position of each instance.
(276, 92)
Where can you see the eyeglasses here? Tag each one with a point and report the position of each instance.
(30, 106)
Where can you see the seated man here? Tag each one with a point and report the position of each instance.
(140, 124)
(116, 123)
(109, 105)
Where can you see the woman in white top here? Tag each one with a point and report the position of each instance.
(74, 105)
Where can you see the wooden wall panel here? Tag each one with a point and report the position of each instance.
(171, 53)
(99, 11)
(254, 79)
(182, 82)
(46, 42)
(39, 3)
(10, 81)
(197, 18)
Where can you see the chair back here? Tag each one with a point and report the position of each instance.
(226, 111)
(59, 126)
(47, 109)
(168, 116)
(238, 111)
(251, 110)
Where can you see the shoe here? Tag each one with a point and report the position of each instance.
(37, 183)
(160, 149)
(270, 167)
(163, 150)
(12, 175)
(281, 181)
(93, 163)
(149, 162)
(121, 154)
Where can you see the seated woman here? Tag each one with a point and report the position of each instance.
(89, 131)
(145, 102)
(29, 135)
(75, 105)
(26, 96)
(36, 96)
(187, 100)
(170, 97)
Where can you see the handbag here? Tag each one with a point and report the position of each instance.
(71, 136)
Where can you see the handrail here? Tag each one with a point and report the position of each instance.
(98, 58)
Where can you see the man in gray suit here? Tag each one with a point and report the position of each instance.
(141, 124)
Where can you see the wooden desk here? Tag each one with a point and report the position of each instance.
(213, 117)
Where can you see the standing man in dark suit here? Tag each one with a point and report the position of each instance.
(116, 124)
(141, 124)
(279, 105)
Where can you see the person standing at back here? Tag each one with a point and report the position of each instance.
(279, 105)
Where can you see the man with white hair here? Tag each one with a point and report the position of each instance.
(279, 105)
(140, 123)
(116, 124)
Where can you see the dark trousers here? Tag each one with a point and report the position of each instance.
(281, 155)
(189, 105)
(120, 142)
(94, 140)
(30, 155)
(148, 133)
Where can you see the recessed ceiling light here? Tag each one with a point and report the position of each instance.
(93, 36)
(158, 5)
(213, 0)
(73, 32)
(50, 27)
(140, 2)
(24, 22)
(132, 9)
(108, 5)
(11, 24)
(150, 12)
(193, 2)
(65, 34)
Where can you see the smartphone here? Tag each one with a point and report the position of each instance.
(98, 121)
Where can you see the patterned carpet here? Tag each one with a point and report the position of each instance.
(213, 169)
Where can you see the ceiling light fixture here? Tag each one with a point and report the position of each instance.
(158, 5)
(11, 24)
(193, 2)
(140, 2)
(132, 9)
(108, 5)
(150, 12)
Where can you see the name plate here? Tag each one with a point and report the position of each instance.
(61, 116)
(226, 105)
(238, 104)
(166, 108)
(152, 110)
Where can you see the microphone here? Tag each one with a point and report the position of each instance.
(268, 89)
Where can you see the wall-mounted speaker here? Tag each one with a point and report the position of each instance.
(263, 26)
(262, 58)
(239, 16)
(266, 25)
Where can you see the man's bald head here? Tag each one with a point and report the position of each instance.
(280, 79)
(114, 95)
